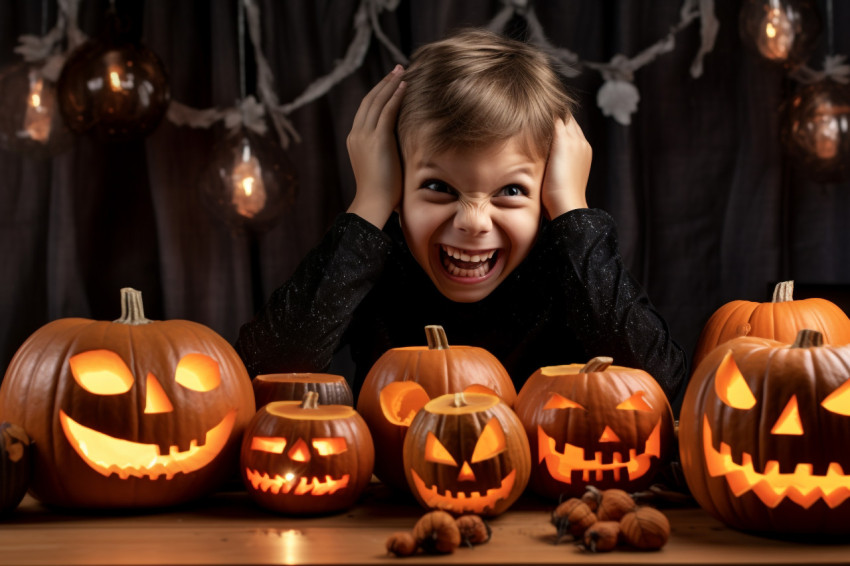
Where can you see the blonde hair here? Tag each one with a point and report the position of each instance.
(477, 88)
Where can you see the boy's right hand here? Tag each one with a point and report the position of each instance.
(373, 151)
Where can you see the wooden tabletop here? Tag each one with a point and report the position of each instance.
(227, 528)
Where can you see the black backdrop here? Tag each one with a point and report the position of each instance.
(708, 208)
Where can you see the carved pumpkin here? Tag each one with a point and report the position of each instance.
(332, 389)
(403, 380)
(764, 431)
(131, 413)
(15, 466)
(299, 457)
(467, 453)
(597, 424)
(779, 319)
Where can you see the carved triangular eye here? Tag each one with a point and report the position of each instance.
(635, 403)
(101, 372)
(490, 443)
(436, 452)
(839, 400)
(731, 386)
(270, 444)
(330, 446)
(560, 402)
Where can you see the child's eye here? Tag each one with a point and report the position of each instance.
(513, 191)
(437, 186)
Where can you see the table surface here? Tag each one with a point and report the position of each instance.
(228, 528)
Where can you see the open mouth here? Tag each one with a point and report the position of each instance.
(460, 502)
(561, 465)
(468, 263)
(298, 486)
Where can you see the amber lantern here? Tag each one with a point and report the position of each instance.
(816, 130)
(780, 31)
(250, 180)
(113, 87)
(30, 123)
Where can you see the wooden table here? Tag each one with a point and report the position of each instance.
(228, 528)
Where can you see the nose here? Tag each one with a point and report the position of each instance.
(473, 218)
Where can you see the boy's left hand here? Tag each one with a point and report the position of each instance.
(567, 170)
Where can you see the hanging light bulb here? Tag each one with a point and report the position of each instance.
(816, 130)
(249, 182)
(113, 87)
(780, 31)
(30, 122)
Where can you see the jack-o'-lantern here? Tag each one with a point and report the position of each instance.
(332, 389)
(467, 453)
(403, 380)
(303, 458)
(763, 435)
(596, 424)
(15, 466)
(130, 413)
(780, 319)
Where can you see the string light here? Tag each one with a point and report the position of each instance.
(781, 31)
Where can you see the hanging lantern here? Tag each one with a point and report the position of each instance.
(30, 122)
(249, 181)
(781, 31)
(113, 87)
(816, 130)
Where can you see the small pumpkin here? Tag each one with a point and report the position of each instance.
(303, 458)
(467, 453)
(594, 424)
(332, 389)
(15, 466)
(780, 319)
(403, 380)
(130, 413)
(763, 434)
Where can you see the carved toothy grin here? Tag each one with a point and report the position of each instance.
(460, 502)
(289, 483)
(108, 455)
(771, 486)
(467, 263)
(562, 464)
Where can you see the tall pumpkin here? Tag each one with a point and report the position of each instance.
(130, 413)
(594, 424)
(780, 319)
(764, 431)
(403, 380)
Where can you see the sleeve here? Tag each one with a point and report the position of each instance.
(302, 324)
(607, 308)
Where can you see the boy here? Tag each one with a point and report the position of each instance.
(493, 238)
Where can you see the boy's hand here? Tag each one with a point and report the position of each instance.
(567, 171)
(373, 151)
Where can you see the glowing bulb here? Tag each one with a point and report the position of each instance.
(248, 191)
(38, 116)
(778, 35)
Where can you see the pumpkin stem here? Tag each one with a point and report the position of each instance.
(599, 363)
(310, 400)
(459, 400)
(436, 337)
(807, 338)
(132, 308)
(783, 292)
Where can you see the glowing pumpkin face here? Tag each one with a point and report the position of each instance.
(466, 453)
(762, 435)
(132, 413)
(403, 380)
(597, 424)
(305, 458)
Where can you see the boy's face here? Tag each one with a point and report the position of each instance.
(471, 216)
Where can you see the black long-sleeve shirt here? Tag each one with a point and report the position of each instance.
(570, 300)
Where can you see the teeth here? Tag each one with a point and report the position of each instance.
(463, 256)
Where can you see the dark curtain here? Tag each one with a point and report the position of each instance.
(708, 207)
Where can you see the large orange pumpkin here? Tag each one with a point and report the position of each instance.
(764, 431)
(302, 458)
(594, 424)
(467, 453)
(403, 380)
(131, 413)
(780, 319)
